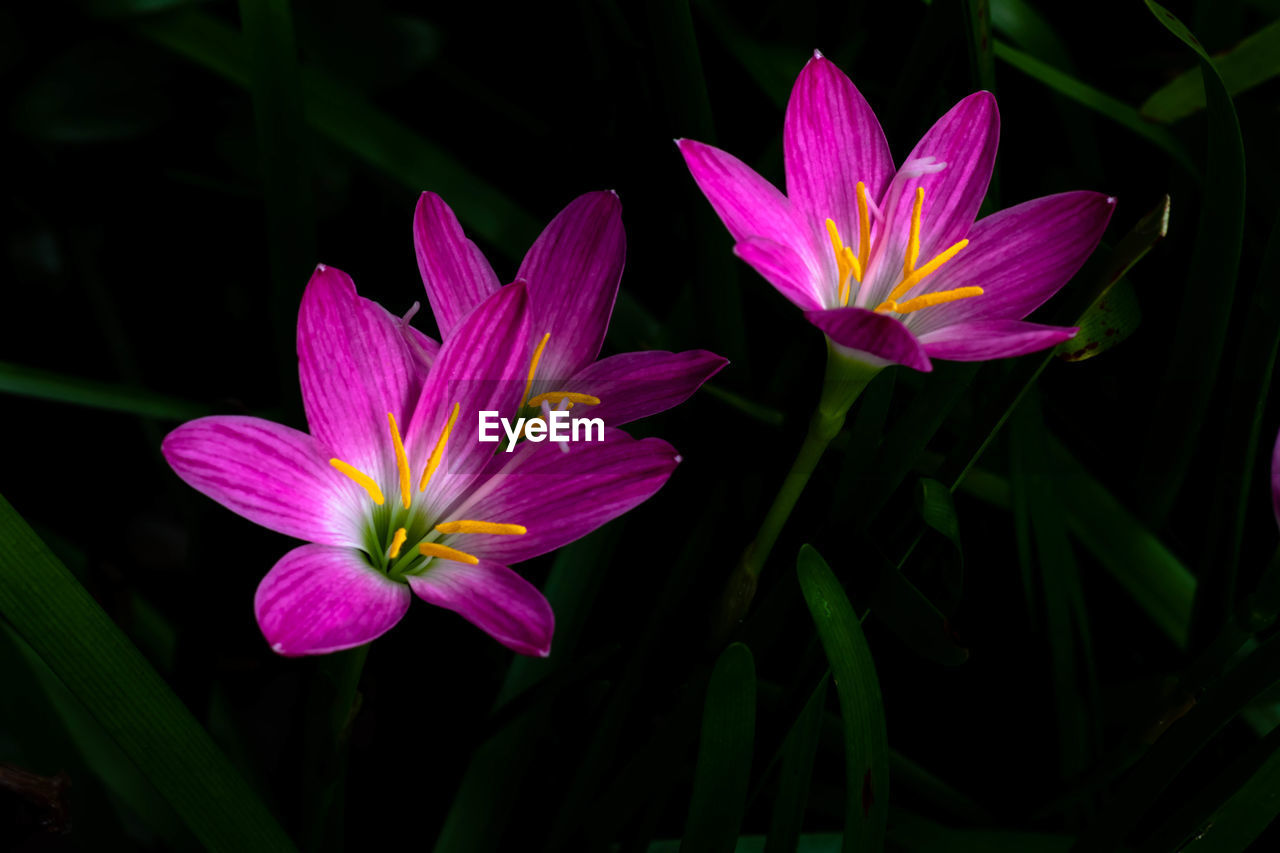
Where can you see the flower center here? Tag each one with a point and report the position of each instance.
(852, 268)
(409, 521)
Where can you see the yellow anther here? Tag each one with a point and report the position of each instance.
(864, 231)
(361, 479)
(402, 462)
(444, 552)
(466, 526)
(929, 299)
(397, 542)
(918, 275)
(557, 396)
(913, 242)
(846, 263)
(437, 453)
(533, 368)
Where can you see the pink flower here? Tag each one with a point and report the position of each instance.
(572, 271)
(889, 263)
(392, 487)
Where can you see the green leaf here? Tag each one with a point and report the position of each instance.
(1101, 103)
(1109, 321)
(1019, 21)
(1179, 412)
(78, 641)
(798, 752)
(861, 709)
(719, 796)
(1156, 579)
(1253, 61)
(45, 385)
(939, 511)
(916, 833)
(347, 118)
(897, 604)
(980, 56)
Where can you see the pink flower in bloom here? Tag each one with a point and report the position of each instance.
(392, 487)
(572, 271)
(889, 262)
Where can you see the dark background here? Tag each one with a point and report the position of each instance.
(138, 252)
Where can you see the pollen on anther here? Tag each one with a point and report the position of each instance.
(397, 542)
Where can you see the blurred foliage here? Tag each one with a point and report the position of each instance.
(1100, 670)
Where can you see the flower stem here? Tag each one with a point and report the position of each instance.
(846, 377)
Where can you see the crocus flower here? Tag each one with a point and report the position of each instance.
(889, 263)
(572, 271)
(392, 489)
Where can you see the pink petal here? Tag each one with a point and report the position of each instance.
(573, 270)
(270, 474)
(634, 385)
(786, 270)
(965, 139)
(1275, 479)
(320, 599)
(481, 366)
(982, 340)
(456, 275)
(354, 366)
(424, 347)
(494, 599)
(748, 205)
(833, 140)
(560, 497)
(1020, 256)
(877, 335)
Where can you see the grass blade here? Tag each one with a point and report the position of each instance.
(724, 755)
(865, 743)
(798, 752)
(1202, 325)
(1100, 102)
(56, 617)
(1253, 61)
(46, 385)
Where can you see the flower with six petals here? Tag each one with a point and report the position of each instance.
(392, 489)
(889, 263)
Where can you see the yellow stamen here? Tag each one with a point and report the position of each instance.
(361, 479)
(397, 542)
(918, 275)
(557, 396)
(864, 232)
(846, 263)
(929, 299)
(465, 526)
(913, 242)
(533, 368)
(435, 549)
(438, 452)
(402, 462)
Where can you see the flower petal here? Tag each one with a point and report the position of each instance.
(982, 340)
(354, 366)
(454, 271)
(481, 366)
(494, 599)
(878, 335)
(1275, 479)
(1020, 257)
(832, 141)
(560, 497)
(424, 347)
(320, 599)
(634, 385)
(270, 474)
(748, 205)
(785, 269)
(965, 139)
(573, 270)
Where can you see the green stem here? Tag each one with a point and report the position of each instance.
(845, 379)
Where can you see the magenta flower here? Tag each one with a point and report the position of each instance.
(393, 489)
(890, 263)
(572, 271)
